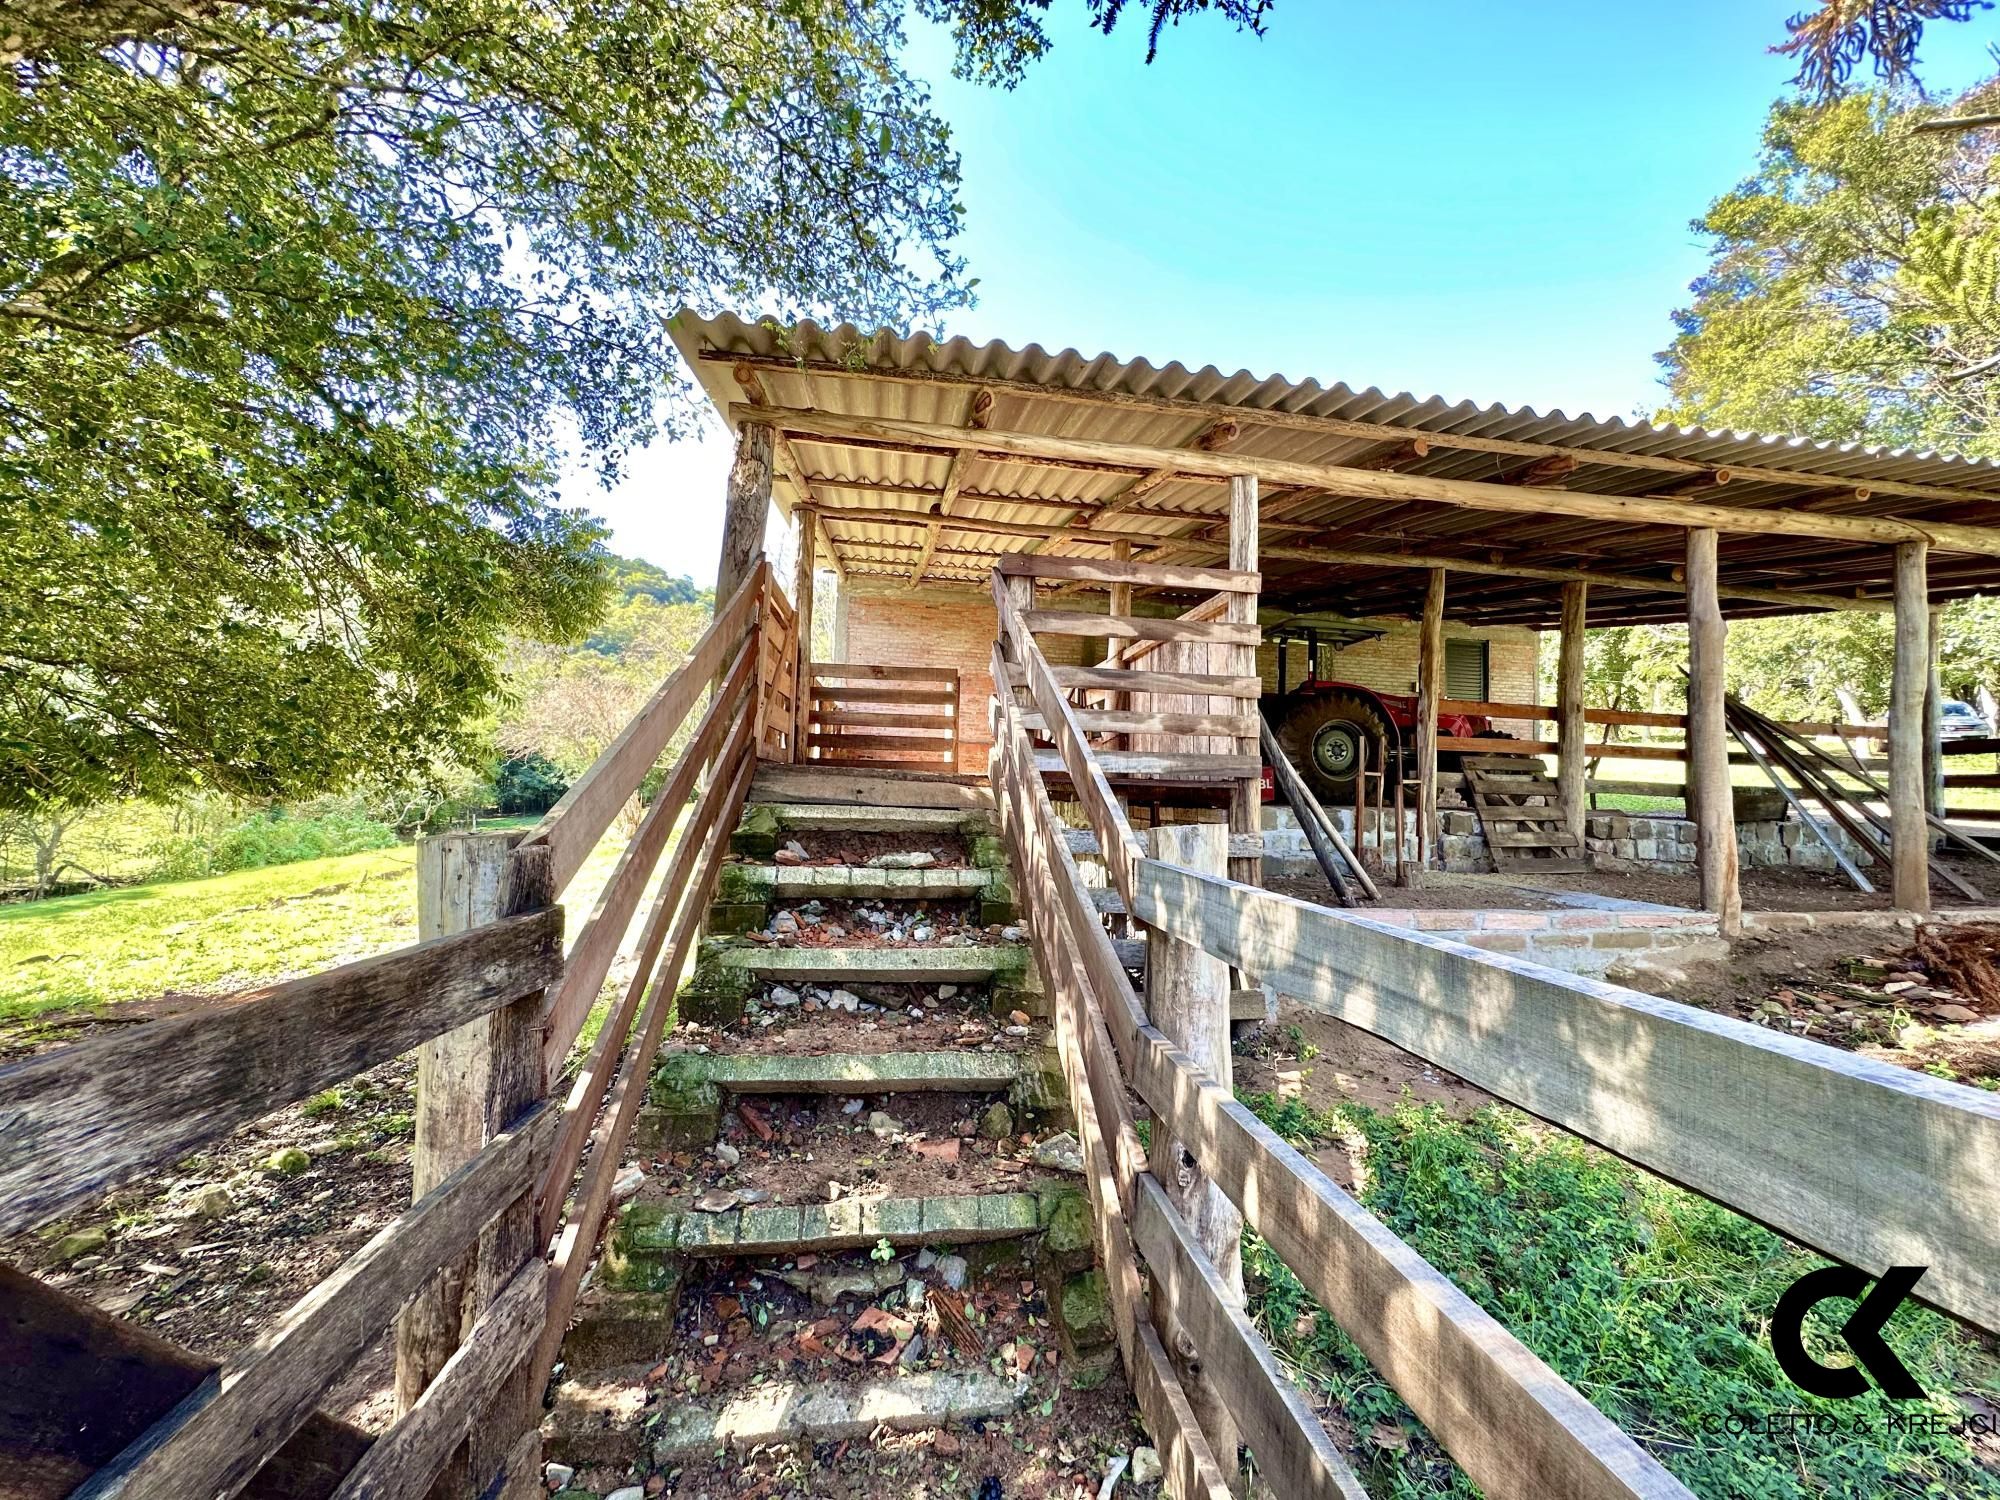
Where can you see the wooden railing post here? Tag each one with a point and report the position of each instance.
(1187, 998)
(472, 1083)
(1430, 689)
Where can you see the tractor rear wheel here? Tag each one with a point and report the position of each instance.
(1323, 735)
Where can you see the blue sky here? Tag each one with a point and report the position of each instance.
(1458, 197)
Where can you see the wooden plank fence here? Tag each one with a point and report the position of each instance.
(493, 1176)
(1868, 1163)
(884, 717)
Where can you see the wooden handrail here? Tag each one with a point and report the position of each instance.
(1526, 1433)
(597, 942)
(214, 1442)
(573, 826)
(83, 1119)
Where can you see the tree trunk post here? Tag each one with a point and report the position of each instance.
(802, 596)
(1709, 798)
(1909, 834)
(1187, 998)
(1430, 688)
(1246, 799)
(1570, 765)
(746, 511)
(472, 1084)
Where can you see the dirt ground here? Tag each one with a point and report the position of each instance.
(1781, 890)
(1856, 988)
(737, 1324)
(831, 847)
(210, 1252)
(1763, 890)
(1466, 893)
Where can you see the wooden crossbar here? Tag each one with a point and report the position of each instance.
(81, 1120)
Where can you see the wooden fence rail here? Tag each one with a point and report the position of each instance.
(887, 718)
(480, 1341)
(1507, 1418)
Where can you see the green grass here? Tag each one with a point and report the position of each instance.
(1651, 1301)
(227, 931)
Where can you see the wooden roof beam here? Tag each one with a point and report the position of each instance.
(787, 461)
(917, 520)
(1469, 494)
(1380, 431)
(976, 419)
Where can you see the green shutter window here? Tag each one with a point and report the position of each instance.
(1465, 670)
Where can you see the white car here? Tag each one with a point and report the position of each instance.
(1961, 721)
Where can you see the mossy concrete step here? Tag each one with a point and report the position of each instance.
(820, 817)
(852, 1073)
(649, 1230)
(864, 883)
(788, 1411)
(970, 965)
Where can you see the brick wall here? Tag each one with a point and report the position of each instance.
(886, 625)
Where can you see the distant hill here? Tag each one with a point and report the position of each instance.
(635, 579)
(641, 593)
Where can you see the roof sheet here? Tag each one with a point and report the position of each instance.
(920, 377)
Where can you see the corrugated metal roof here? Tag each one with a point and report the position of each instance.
(922, 378)
(1070, 369)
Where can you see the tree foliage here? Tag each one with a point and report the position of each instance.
(1832, 41)
(299, 299)
(1852, 295)
(1852, 282)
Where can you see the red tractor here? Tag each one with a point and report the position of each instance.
(1322, 722)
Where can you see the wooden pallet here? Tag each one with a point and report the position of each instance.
(1516, 802)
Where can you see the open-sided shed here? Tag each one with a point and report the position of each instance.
(927, 461)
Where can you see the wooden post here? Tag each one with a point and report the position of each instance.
(1909, 834)
(1430, 688)
(747, 508)
(1246, 799)
(1710, 801)
(802, 596)
(1187, 998)
(1121, 604)
(1934, 715)
(472, 1084)
(1570, 766)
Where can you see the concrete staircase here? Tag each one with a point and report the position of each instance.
(855, 1229)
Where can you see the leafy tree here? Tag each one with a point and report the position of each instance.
(1853, 294)
(297, 297)
(1834, 39)
(1851, 288)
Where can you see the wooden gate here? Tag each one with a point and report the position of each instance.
(889, 718)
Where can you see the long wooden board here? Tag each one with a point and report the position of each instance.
(217, 1439)
(98, 1382)
(1136, 574)
(573, 826)
(407, 1457)
(1139, 627)
(1505, 1416)
(1871, 1164)
(1294, 1454)
(1135, 680)
(77, 1122)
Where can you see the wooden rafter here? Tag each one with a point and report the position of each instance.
(954, 481)
(1340, 556)
(1377, 431)
(1462, 493)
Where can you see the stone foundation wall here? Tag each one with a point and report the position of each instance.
(1617, 840)
(1581, 941)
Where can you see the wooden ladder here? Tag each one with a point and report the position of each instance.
(1516, 803)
